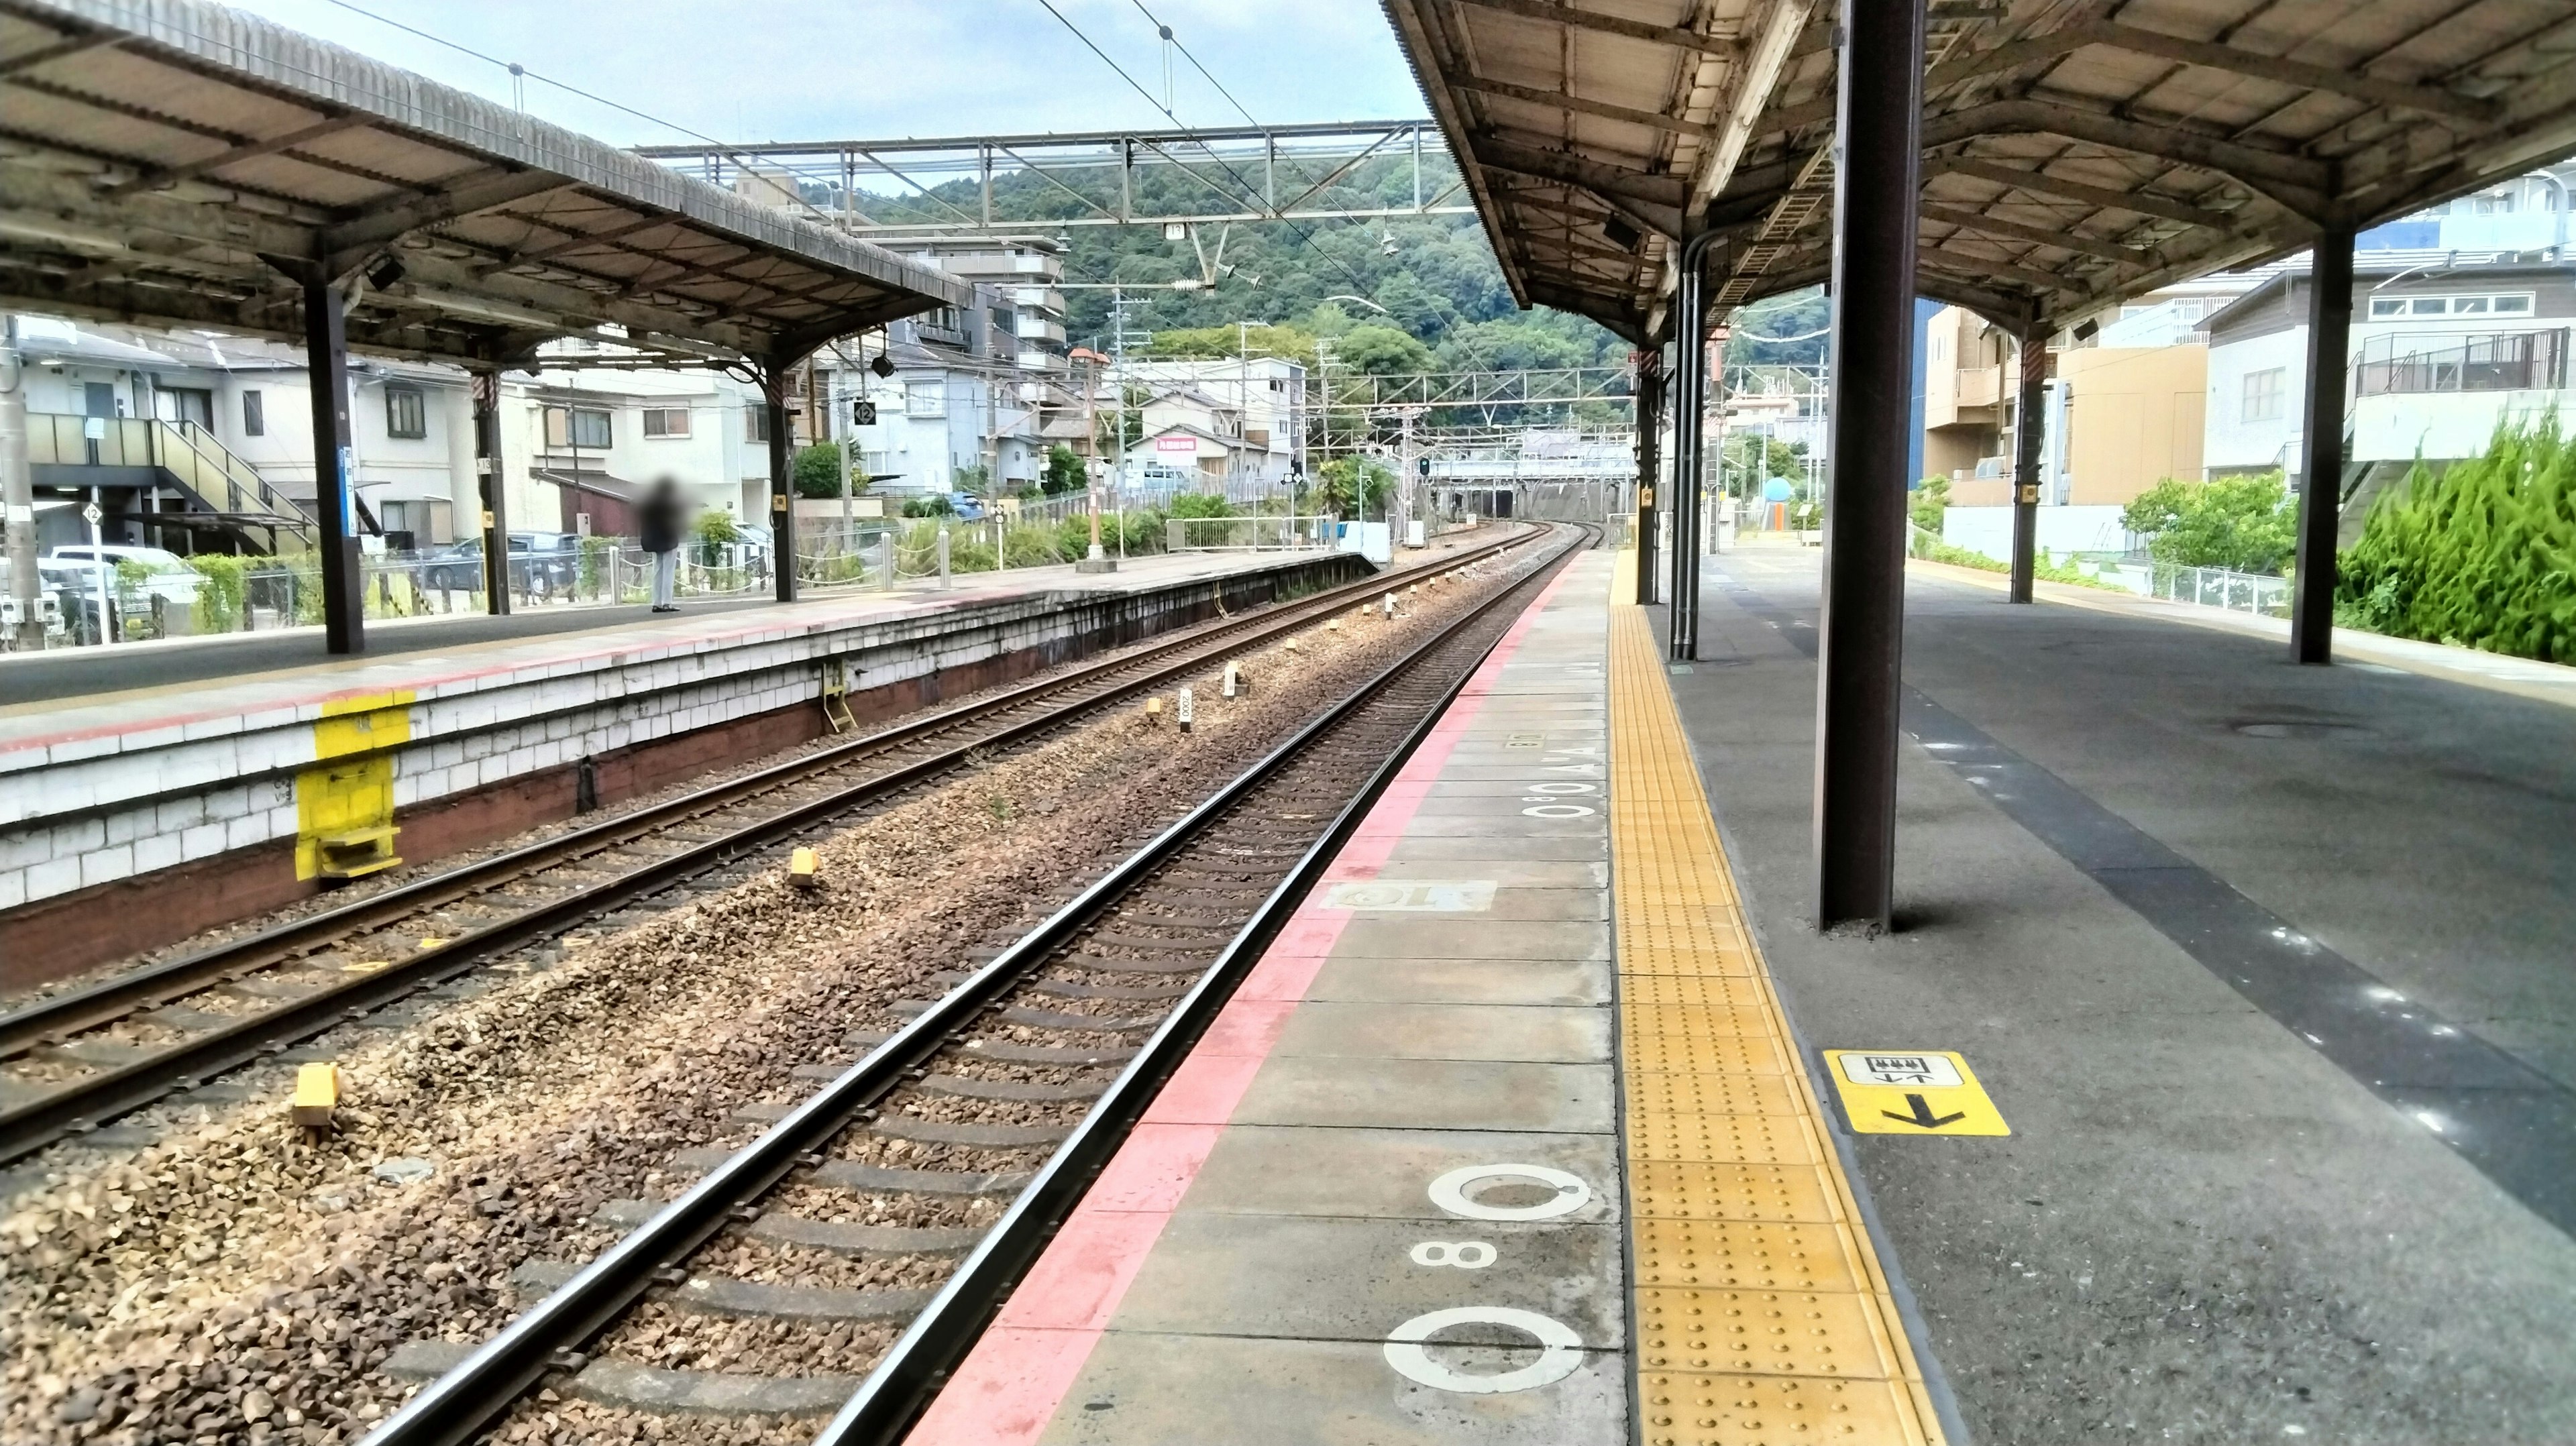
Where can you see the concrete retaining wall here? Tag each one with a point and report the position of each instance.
(120, 841)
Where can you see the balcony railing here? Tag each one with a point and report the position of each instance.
(185, 450)
(2501, 362)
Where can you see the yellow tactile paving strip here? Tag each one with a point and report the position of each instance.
(1762, 1316)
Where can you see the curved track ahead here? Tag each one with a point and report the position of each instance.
(1123, 978)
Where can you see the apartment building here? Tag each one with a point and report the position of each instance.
(962, 392)
(2119, 418)
(196, 441)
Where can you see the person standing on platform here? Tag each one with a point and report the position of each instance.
(662, 518)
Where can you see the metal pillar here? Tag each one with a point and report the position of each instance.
(326, 360)
(1650, 421)
(492, 490)
(1689, 408)
(2028, 422)
(782, 477)
(18, 494)
(1861, 621)
(2321, 447)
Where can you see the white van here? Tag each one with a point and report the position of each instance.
(171, 578)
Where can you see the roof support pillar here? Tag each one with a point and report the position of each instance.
(2321, 447)
(2029, 410)
(326, 353)
(492, 490)
(1650, 422)
(1690, 424)
(1861, 621)
(782, 475)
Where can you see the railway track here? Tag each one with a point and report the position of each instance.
(971, 1124)
(77, 1060)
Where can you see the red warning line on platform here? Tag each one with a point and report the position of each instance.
(1010, 1385)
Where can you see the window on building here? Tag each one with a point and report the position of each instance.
(2264, 393)
(577, 427)
(755, 422)
(2491, 304)
(925, 399)
(406, 412)
(666, 421)
(254, 415)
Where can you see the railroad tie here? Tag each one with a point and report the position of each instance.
(1004, 1049)
(949, 1132)
(958, 1086)
(1045, 1018)
(775, 1228)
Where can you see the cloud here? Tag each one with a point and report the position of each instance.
(851, 69)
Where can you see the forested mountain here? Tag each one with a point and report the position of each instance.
(1435, 276)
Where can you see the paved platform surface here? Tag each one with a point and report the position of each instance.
(410, 653)
(1439, 1011)
(2267, 967)
(1448, 1171)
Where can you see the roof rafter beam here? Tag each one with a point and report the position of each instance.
(1679, 37)
(2065, 240)
(246, 151)
(2299, 184)
(30, 59)
(343, 246)
(1656, 200)
(2141, 203)
(2281, 70)
(1555, 100)
(1995, 267)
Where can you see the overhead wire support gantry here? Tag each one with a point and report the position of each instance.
(1232, 174)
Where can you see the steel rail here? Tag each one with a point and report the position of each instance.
(86, 1102)
(461, 1404)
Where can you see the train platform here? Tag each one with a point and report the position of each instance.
(2213, 1087)
(153, 789)
(1445, 1169)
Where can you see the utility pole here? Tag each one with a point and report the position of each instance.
(18, 493)
(1096, 560)
(1402, 527)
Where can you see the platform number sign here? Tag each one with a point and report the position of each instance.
(1560, 1349)
(863, 413)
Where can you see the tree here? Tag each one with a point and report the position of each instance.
(1751, 459)
(1382, 351)
(1064, 471)
(975, 481)
(1200, 504)
(1349, 485)
(1931, 499)
(2479, 554)
(817, 471)
(2243, 524)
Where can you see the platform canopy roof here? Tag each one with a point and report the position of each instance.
(175, 163)
(2075, 152)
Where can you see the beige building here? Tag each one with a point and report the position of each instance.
(2131, 415)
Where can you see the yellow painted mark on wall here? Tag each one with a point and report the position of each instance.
(1912, 1092)
(344, 803)
(1762, 1313)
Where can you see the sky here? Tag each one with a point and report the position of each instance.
(793, 70)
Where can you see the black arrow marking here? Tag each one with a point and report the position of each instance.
(1923, 1115)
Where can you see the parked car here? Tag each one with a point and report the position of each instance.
(539, 562)
(170, 578)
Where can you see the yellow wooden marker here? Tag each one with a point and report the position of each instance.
(1154, 711)
(804, 869)
(1912, 1092)
(317, 1095)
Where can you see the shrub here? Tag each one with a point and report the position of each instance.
(1200, 504)
(2244, 524)
(2481, 554)
(935, 504)
(818, 471)
(1929, 501)
(219, 597)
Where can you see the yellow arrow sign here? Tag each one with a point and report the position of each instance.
(1912, 1092)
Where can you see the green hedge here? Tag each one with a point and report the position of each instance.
(2480, 554)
